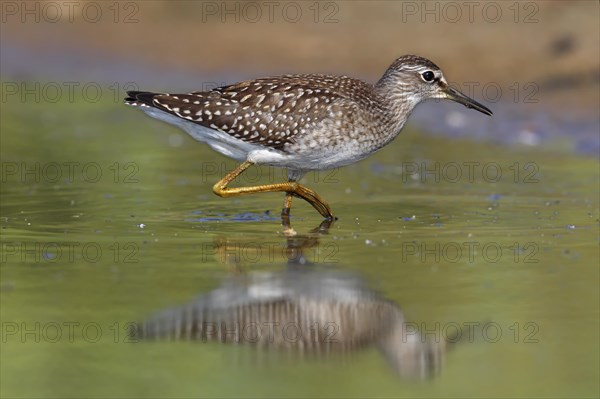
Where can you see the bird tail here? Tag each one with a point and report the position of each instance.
(140, 98)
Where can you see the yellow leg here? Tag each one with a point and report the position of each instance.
(287, 204)
(285, 213)
(291, 188)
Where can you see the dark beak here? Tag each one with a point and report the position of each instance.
(468, 102)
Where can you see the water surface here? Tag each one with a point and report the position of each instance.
(108, 218)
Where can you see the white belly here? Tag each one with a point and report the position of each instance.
(242, 151)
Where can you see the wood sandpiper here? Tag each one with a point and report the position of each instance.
(302, 122)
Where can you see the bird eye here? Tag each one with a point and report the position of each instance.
(428, 76)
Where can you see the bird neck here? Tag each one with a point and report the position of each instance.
(398, 101)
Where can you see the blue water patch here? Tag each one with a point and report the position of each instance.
(236, 217)
(512, 124)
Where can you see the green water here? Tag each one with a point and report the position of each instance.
(114, 219)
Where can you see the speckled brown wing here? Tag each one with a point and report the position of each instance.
(268, 111)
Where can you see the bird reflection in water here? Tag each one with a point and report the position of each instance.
(305, 308)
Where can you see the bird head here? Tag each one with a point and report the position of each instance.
(413, 79)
